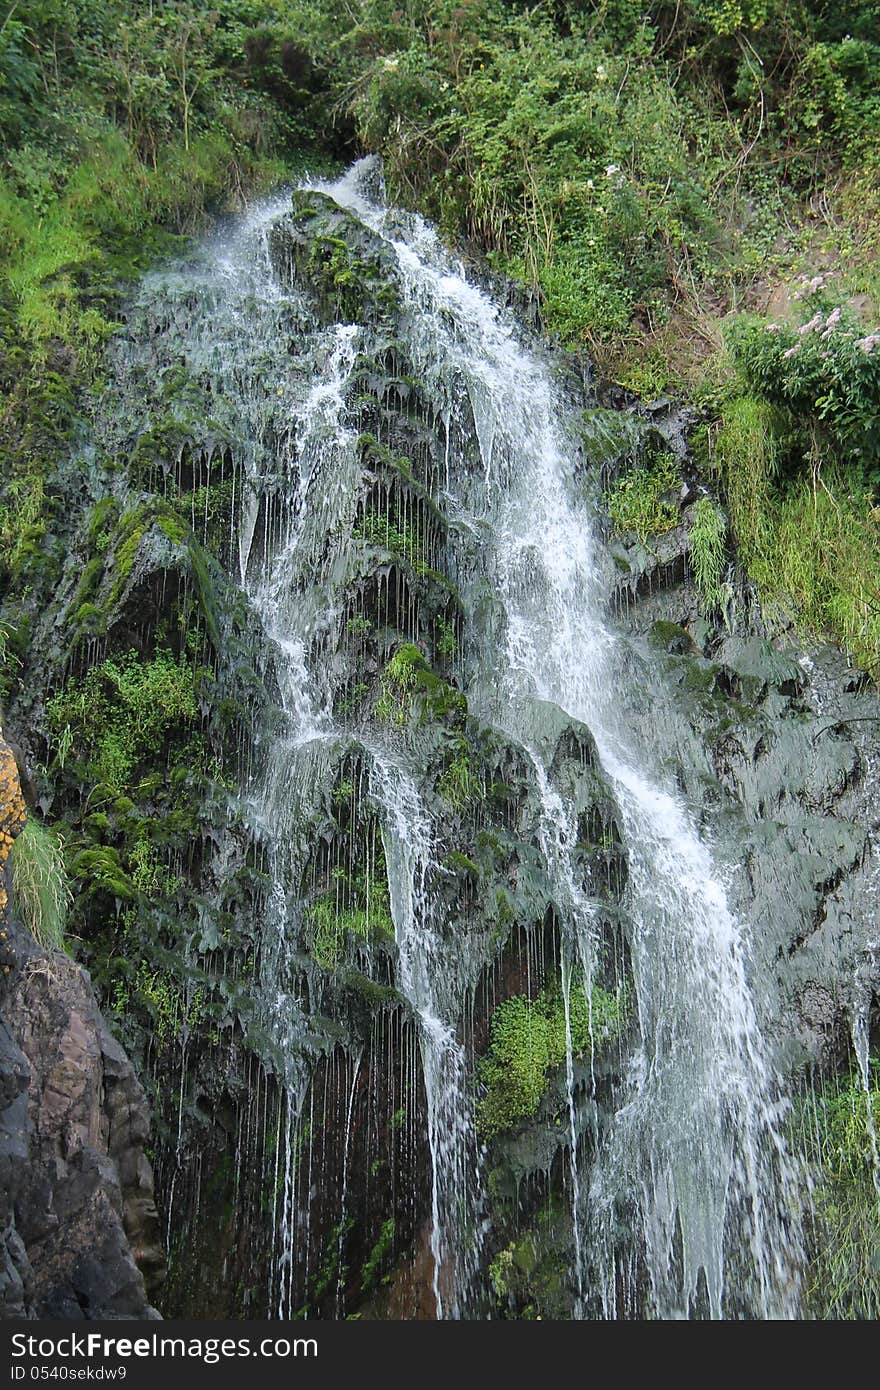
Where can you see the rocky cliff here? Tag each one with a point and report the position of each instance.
(80, 1229)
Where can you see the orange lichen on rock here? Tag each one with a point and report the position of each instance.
(12, 815)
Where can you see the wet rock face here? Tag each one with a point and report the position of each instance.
(778, 739)
(86, 1233)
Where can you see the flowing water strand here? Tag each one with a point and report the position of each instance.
(694, 1161)
(428, 977)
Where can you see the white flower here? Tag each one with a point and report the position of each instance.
(601, 73)
(611, 169)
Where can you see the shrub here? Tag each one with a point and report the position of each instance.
(639, 499)
(527, 1038)
(358, 906)
(122, 712)
(825, 374)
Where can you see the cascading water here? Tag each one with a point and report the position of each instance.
(682, 1202)
(696, 1148)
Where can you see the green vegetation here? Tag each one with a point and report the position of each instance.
(409, 683)
(41, 893)
(833, 1131)
(458, 784)
(640, 499)
(622, 157)
(122, 712)
(706, 546)
(527, 1038)
(357, 906)
(809, 532)
(379, 1257)
(386, 533)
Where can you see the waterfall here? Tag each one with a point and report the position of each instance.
(697, 1145)
(687, 1191)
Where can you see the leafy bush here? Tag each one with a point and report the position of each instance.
(824, 373)
(357, 906)
(122, 712)
(527, 1038)
(41, 893)
(640, 499)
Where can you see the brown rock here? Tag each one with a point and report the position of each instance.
(85, 1202)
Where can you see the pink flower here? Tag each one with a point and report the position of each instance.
(792, 350)
(773, 327)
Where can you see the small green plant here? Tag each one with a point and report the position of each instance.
(41, 894)
(707, 540)
(122, 711)
(358, 906)
(399, 684)
(171, 1007)
(499, 1272)
(386, 532)
(446, 642)
(527, 1038)
(378, 1257)
(639, 500)
(458, 784)
(148, 874)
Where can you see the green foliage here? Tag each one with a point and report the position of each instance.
(385, 532)
(446, 641)
(527, 1038)
(358, 906)
(379, 1257)
(41, 894)
(825, 374)
(409, 683)
(615, 157)
(122, 712)
(809, 536)
(706, 547)
(399, 684)
(460, 863)
(833, 1131)
(171, 1007)
(458, 784)
(640, 499)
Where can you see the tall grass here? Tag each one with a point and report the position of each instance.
(830, 1128)
(41, 893)
(810, 542)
